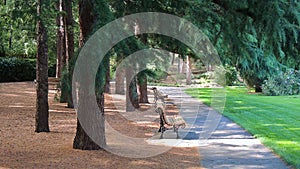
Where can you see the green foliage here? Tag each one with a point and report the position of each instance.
(156, 75)
(229, 78)
(283, 83)
(17, 36)
(66, 82)
(14, 69)
(251, 35)
(256, 66)
(273, 119)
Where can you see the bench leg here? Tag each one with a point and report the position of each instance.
(176, 131)
(162, 129)
(161, 135)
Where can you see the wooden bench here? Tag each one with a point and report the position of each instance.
(166, 122)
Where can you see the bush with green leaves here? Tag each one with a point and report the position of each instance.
(283, 83)
(226, 76)
(14, 69)
(156, 75)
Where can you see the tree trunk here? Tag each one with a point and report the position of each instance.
(142, 77)
(120, 74)
(82, 140)
(69, 30)
(188, 71)
(173, 58)
(66, 90)
(107, 75)
(10, 36)
(120, 86)
(42, 107)
(142, 82)
(179, 65)
(70, 46)
(59, 40)
(258, 88)
(87, 19)
(131, 91)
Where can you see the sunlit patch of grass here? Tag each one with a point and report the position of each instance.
(275, 120)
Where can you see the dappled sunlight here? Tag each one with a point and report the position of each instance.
(243, 107)
(59, 111)
(294, 129)
(20, 106)
(10, 95)
(54, 149)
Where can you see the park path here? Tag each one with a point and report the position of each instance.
(222, 143)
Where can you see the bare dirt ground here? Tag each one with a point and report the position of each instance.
(21, 147)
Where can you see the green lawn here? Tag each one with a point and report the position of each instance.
(275, 120)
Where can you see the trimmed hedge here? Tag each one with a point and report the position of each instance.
(15, 69)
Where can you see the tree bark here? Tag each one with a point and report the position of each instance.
(131, 91)
(59, 40)
(10, 37)
(120, 74)
(82, 140)
(188, 71)
(142, 82)
(142, 77)
(69, 45)
(42, 107)
(179, 65)
(107, 75)
(87, 19)
(120, 86)
(69, 30)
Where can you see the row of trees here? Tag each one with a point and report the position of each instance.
(256, 37)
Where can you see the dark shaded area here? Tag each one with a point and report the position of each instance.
(17, 70)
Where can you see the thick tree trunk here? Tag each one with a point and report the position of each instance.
(142, 82)
(59, 40)
(87, 19)
(83, 141)
(42, 107)
(131, 91)
(142, 77)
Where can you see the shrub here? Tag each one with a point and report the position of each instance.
(283, 83)
(226, 75)
(15, 69)
(155, 76)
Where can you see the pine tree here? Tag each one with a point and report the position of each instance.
(42, 107)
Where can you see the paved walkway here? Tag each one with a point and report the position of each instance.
(222, 143)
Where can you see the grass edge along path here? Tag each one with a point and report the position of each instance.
(275, 120)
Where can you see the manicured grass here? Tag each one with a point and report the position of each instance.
(275, 120)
